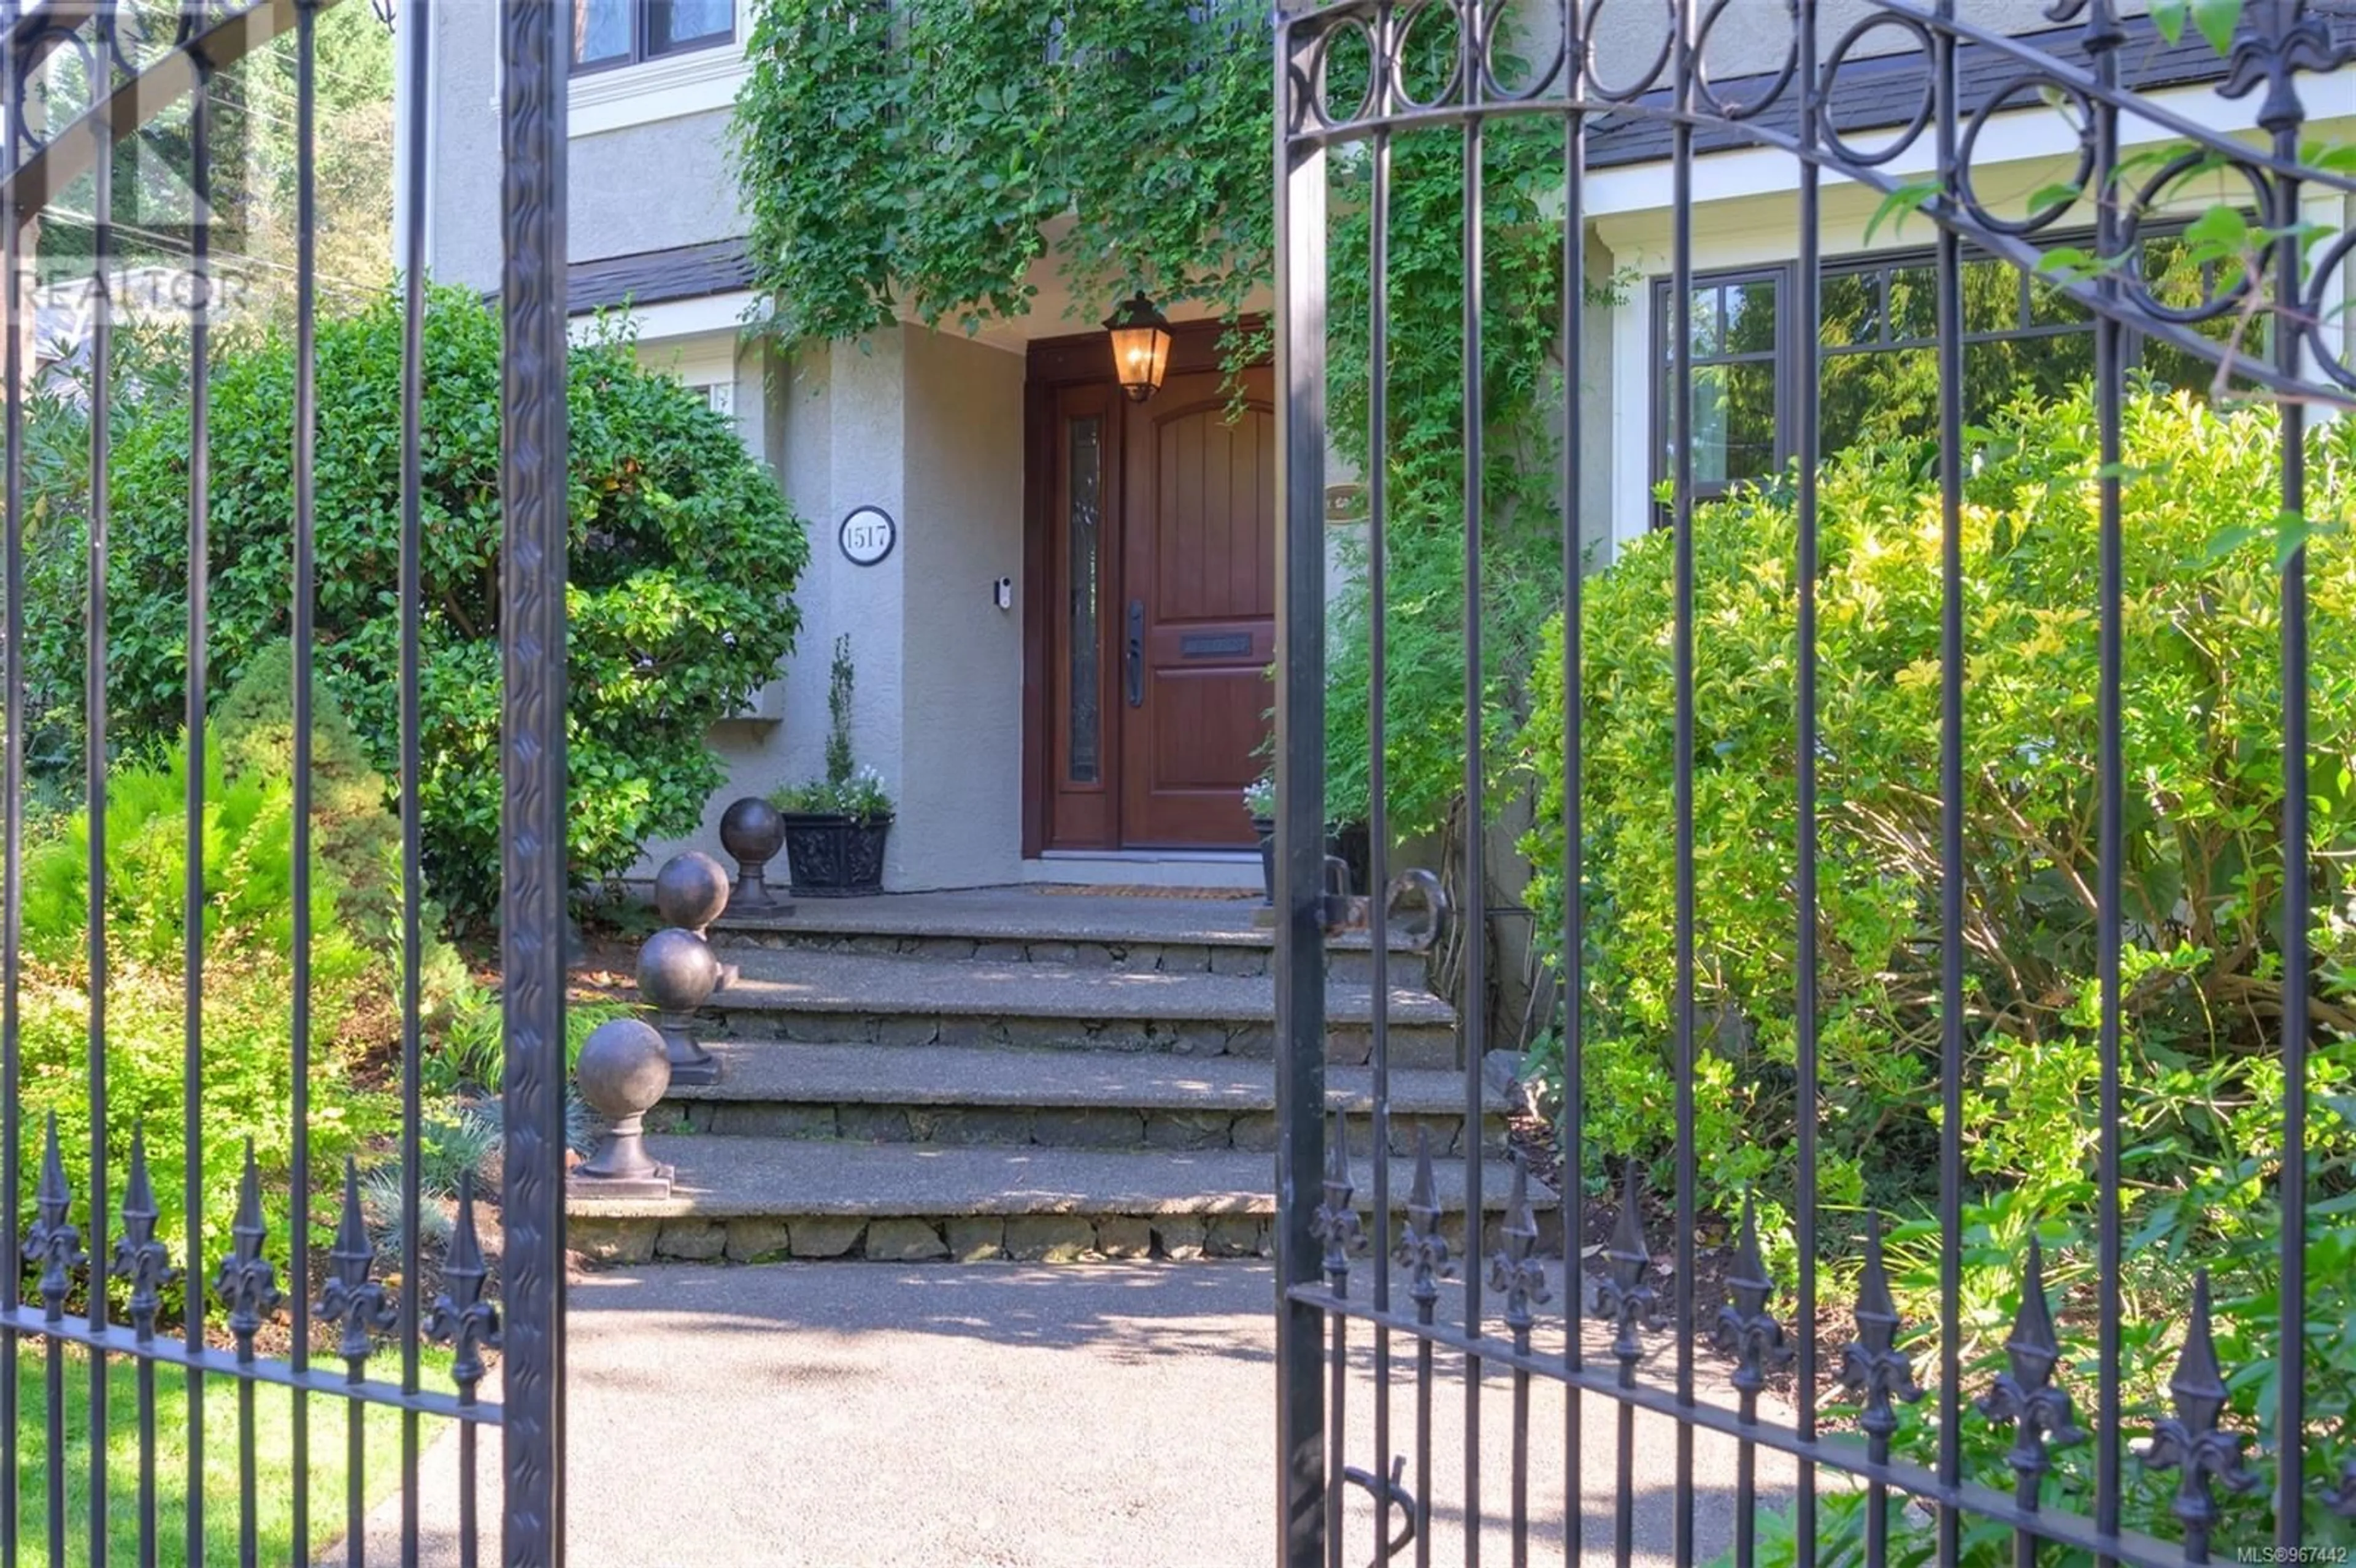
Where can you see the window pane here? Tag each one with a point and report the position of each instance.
(2044, 369)
(1733, 423)
(1913, 304)
(1706, 318)
(1087, 482)
(1889, 395)
(1852, 309)
(1750, 317)
(673, 25)
(2049, 307)
(601, 31)
(1991, 296)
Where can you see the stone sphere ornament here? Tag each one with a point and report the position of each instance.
(624, 1072)
(752, 833)
(691, 892)
(677, 974)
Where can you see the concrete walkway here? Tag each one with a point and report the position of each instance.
(856, 1414)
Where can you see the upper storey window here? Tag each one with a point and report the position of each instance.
(608, 33)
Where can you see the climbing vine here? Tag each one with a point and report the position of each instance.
(915, 157)
(918, 160)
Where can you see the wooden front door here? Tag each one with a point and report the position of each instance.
(1154, 614)
(1198, 579)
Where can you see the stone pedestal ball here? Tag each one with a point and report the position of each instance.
(624, 1070)
(677, 971)
(677, 974)
(691, 890)
(752, 832)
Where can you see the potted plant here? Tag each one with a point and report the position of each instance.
(1259, 802)
(836, 826)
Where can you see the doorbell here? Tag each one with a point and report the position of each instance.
(1002, 592)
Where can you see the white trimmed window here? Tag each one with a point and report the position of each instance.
(610, 34)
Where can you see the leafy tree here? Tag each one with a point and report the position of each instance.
(684, 555)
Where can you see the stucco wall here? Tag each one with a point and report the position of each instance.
(961, 684)
(643, 188)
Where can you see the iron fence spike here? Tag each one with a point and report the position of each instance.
(1422, 1249)
(2203, 1454)
(2024, 1397)
(247, 1283)
(352, 1299)
(1513, 1269)
(1745, 1329)
(54, 1242)
(461, 1317)
(1623, 1295)
(139, 1258)
(1336, 1221)
(1872, 1366)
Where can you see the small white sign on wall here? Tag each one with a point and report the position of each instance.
(866, 535)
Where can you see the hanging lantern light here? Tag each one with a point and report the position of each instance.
(1141, 347)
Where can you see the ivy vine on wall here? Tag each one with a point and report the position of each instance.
(916, 161)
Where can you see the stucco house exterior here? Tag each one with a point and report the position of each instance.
(1042, 523)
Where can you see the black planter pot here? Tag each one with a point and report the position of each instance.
(1266, 828)
(835, 857)
(1353, 844)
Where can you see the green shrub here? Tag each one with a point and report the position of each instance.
(247, 1019)
(2203, 712)
(467, 1055)
(683, 557)
(2202, 1129)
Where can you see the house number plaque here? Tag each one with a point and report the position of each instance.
(867, 535)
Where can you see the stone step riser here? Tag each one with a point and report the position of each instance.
(1025, 1237)
(1176, 1131)
(1413, 1046)
(1353, 965)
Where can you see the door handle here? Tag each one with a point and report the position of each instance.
(1137, 653)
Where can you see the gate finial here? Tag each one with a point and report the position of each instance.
(2191, 1441)
(1623, 1296)
(460, 1317)
(2282, 41)
(139, 1257)
(247, 1284)
(1336, 1221)
(2026, 1397)
(1421, 1247)
(1512, 1269)
(1746, 1329)
(54, 1242)
(1872, 1366)
(350, 1297)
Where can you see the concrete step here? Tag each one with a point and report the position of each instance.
(1016, 925)
(1067, 1099)
(862, 998)
(759, 1199)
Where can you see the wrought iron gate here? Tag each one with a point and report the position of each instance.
(1346, 90)
(85, 78)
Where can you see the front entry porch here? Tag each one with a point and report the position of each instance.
(1151, 557)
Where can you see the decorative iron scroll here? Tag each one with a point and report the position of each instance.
(1347, 81)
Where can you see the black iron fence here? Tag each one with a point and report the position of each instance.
(111, 1285)
(1891, 86)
